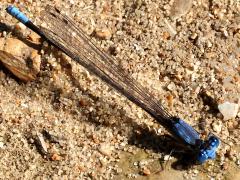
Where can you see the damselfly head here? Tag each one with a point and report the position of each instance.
(208, 149)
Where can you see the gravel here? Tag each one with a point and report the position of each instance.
(185, 52)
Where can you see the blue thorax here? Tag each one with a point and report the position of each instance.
(204, 149)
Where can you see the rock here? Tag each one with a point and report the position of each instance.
(1, 145)
(106, 149)
(103, 33)
(22, 60)
(55, 157)
(167, 158)
(41, 144)
(171, 86)
(217, 126)
(170, 100)
(193, 36)
(225, 166)
(166, 35)
(180, 8)
(135, 163)
(228, 110)
(195, 171)
(146, 171)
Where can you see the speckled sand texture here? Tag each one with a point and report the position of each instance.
(68, 124)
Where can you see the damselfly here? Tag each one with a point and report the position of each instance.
(62, 32)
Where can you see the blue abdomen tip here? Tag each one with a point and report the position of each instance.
(17, 14)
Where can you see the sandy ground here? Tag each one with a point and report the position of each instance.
(68, 124)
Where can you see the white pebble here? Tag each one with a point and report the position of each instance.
(171, 86)
(228, 110)
(1, 145)
(167, 157)
(135, 163)
(106, 149)
(195, 171)
(217, 126)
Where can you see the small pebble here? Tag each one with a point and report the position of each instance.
(146, 171)
(238, 162)
(171, 86)
(1, 145)
(193, 36)
(103, 33)
(83, 102)
(195, 171)
(135, 163)
(217, 126)
(170, 100)
(166, 35)
(41, 142)
(106, 149)
(228, 110)
(167, 157)
(22, 60)
(225, 166)
(55, 157)
(180, 8)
